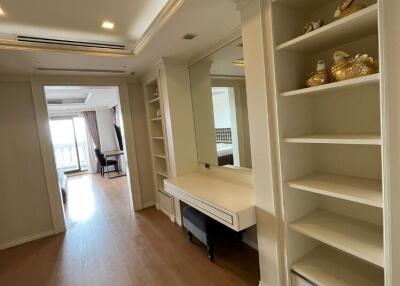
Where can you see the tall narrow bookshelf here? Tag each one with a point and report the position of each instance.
(330, 147)
(158, 142)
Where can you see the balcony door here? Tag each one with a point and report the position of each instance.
(69, 143)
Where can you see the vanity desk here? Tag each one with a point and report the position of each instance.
(228, 203)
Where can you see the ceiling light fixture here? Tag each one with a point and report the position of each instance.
(189, 36)
(2, 12)
(108, 25)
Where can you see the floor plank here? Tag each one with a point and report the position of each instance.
(106, 245)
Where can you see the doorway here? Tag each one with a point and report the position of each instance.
(69, 139)
(43, 115)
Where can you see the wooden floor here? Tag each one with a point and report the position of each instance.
(106, 245)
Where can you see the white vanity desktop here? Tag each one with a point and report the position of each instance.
(227, 201)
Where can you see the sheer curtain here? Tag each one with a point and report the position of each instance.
(93, 133)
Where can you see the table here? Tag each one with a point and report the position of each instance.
(113, 153)
(230, 204)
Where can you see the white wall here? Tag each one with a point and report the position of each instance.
(143, 156)
(108, 139)
(24, 203)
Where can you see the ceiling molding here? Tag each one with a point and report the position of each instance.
(26, 46)
(152, 70)
(231, 37)
(158, 23)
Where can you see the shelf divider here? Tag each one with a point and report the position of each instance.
(358, 238)
(368, 80)
(353, 139)
(325, 266)
(355, 189)
(356, 26)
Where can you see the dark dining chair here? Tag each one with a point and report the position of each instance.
(103, 162)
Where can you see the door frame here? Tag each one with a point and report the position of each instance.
(42, 121)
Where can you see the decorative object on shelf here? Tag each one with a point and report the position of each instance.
(312, 25)
(347, 8)
(318, 77)
(158, 113)
(155, 94)
(347, 67)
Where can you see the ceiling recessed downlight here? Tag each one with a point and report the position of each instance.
(108, 25)
(189, 36)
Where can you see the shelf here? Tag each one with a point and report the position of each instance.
(160, 156)
(326, 267)
(153, 100)
(356, 26)
(157, 138)
(361, 239)
(339, 86)
(162, 173)
(355, 139)
(359, 190)
(156, 119)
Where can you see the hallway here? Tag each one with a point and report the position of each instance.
(106, 245)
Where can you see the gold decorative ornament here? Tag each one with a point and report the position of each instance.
(347, 67)
(312, 26)
(318, 77)
(347, 8)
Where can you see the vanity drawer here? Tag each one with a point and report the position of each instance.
(182, 195)
(218, 213)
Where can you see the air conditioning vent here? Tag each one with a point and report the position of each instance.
(69, 101)
(70, 43)
(76, 70)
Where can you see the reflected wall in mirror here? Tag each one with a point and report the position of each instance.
(220, 107)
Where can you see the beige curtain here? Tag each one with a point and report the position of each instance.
(91, 122)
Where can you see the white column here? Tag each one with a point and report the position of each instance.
(258, 54)
(390, 87)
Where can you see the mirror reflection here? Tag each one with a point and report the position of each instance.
(220, 107)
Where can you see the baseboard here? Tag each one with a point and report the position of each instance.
(148, 205)
(26, 239)
(250, 242)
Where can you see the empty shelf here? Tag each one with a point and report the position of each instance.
(325, 266)
(361, 239)
(356, 139)
(158, 138)
(156, 119)
(359, 190)
(357, 26)
(368, 80)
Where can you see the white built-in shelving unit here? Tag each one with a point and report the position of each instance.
(330, 147)
(158, 142)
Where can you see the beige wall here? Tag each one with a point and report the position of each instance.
(200, 83)
(142, 143)
(23, 189)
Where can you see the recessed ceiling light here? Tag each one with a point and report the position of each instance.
(2, 11)
(189, 36)
(108, 25)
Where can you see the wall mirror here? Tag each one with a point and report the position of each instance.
(220, 107)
